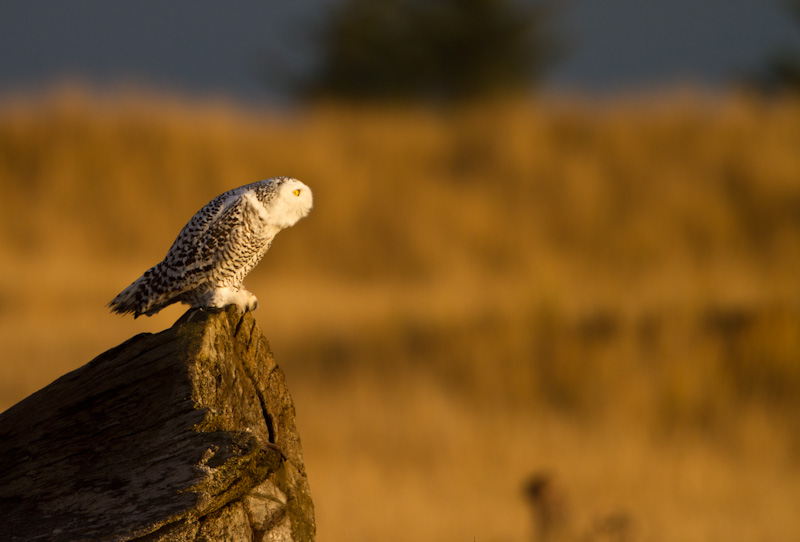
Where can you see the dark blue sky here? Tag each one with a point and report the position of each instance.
(648, 43)
(247, 48)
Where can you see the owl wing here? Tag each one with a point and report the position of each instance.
(219, 246)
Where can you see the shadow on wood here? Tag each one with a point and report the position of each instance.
(183, 435)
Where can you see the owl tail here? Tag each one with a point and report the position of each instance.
(144, 296)
(132, 299)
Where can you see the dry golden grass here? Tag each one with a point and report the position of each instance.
(608, 292)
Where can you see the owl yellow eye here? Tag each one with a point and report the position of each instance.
(296, 192)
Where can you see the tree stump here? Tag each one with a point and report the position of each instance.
(184, 435)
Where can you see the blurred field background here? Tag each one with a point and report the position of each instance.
(605, 293)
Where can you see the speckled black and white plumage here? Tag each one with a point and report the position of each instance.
(219, 246)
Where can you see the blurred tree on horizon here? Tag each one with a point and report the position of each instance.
(447, 50)
(781, 71)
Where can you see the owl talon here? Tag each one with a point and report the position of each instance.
(249, 301)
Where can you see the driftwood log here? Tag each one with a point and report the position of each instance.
(184, 435)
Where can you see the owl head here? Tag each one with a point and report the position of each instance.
(293, 202)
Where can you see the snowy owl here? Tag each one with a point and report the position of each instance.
(219, 246)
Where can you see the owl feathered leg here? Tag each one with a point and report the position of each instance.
(219, 298)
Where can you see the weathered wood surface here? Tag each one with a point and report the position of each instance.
(183, 435)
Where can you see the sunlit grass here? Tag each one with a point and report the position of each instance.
(478, 293)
